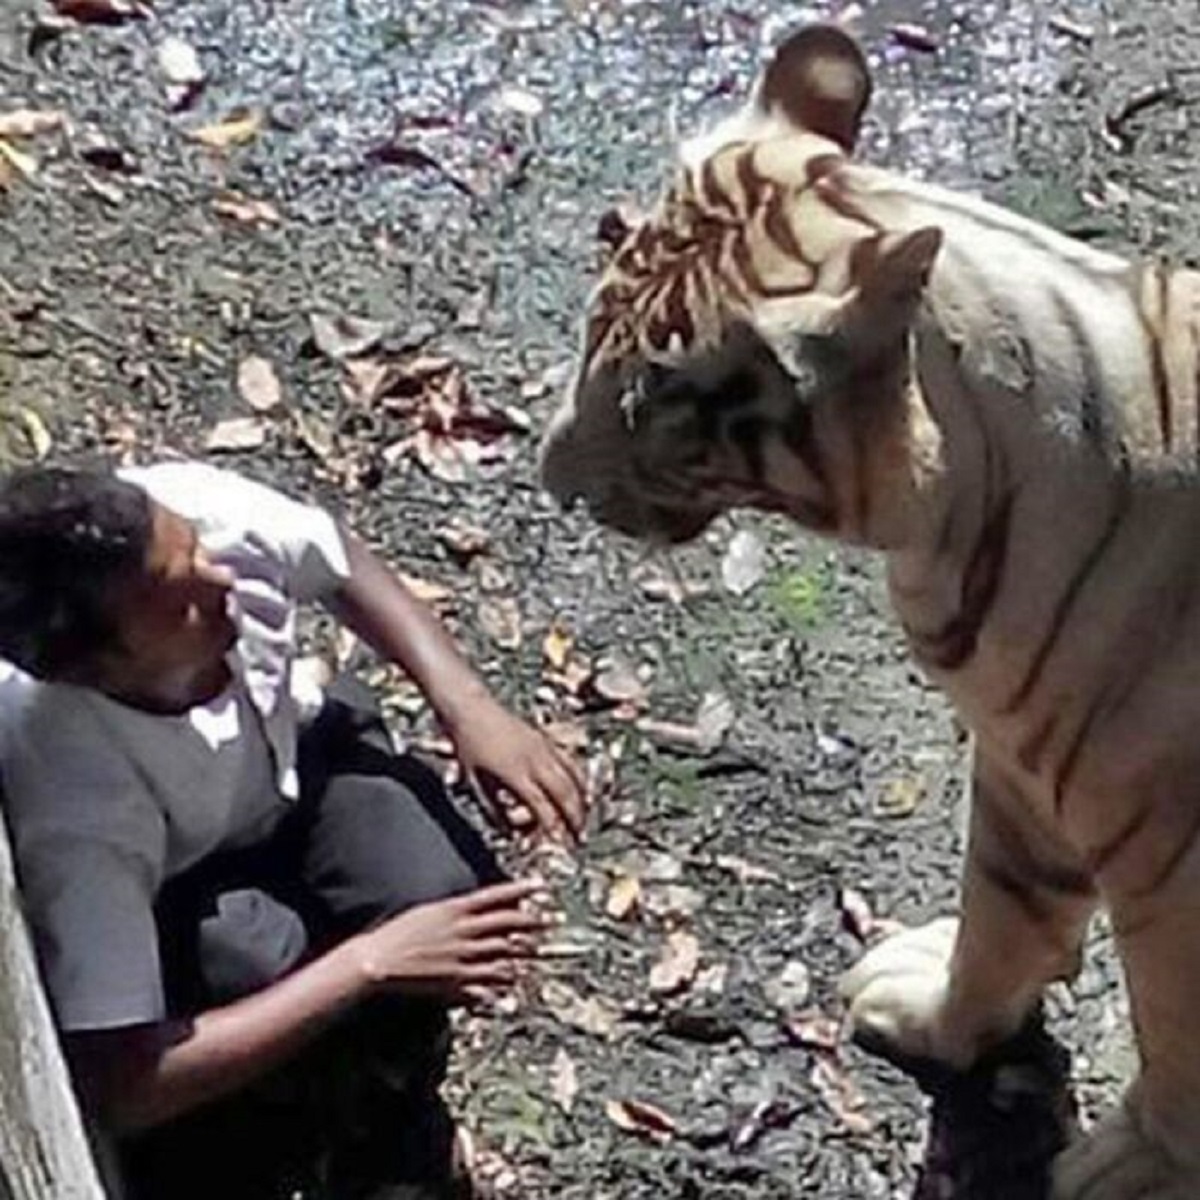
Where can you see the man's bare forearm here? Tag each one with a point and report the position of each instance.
(376, 605)
(142, 1076)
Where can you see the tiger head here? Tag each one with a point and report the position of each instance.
(748, 343)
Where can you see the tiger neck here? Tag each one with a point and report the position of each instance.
(1041, 368)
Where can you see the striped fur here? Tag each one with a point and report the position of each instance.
(1013, 419)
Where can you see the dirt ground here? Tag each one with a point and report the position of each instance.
(440, 168)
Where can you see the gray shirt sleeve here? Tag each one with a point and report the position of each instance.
(91, 912)
(90, 847)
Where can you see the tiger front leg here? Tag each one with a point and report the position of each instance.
(947, 991)
(1149, 1148)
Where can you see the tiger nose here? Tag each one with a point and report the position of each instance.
(558, 467)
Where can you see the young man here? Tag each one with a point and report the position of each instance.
(232, 888)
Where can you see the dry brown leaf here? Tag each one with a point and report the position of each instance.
(841, 1094)
(37, 433)
(29, 122)
(22, 163)
(236, 207)
(595, 1015)
(564, 1081)
(745, 871)
(617, 682)
(791, 988)
(860, 920)
(317, 436)
(557, 645)
(346, 337)
(258, 383)
(744, 562)
(676, 969)
(500, 619)
(179, 63)
(901, 797)
(102, 12)
(426, 590)
(636, 1116)
(813, 1030)
(623, 897)
(914, 37)
(234, 130)
(237, 433)
(464, 541)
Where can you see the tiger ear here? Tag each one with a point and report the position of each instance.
(818, 80)
(897, 266)
(891, 272)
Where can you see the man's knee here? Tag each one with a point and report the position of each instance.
(250, 942)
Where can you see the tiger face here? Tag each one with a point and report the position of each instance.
(747, 344)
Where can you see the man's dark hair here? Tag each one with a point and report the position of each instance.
(66, 536)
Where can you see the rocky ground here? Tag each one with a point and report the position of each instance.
(342, 245)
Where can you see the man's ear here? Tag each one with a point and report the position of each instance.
(818, 80)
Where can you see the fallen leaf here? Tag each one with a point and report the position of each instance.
(345, 337)
(237, 433)
(426, 590)
(860, 920)
(463, 541)
(102, 12)
(236, 207)
(901, 797)
(714, 719)
(595, 1015)
(745, 871)
(673, 901)
(636, 1116)
(677, 967)
(914, 37)
(767, 1114)
(617, 682)
(744, 563)
(23, 164)
(790, 989)
(28, 122)
(500, 619)
(234, 130)
(520, 101)
(813, 1030)
(318, 438)
(564, 1081)
(557, 645)
(37, 433)
(623, 897)
(180, 65)
(258, 383)
(99, 150)
(841, 1095)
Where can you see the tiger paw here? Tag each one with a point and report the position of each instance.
(896, 999)
(1118, 1160)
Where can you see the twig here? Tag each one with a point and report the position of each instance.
(1144, 98)
(1071, 29)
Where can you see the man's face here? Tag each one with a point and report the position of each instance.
(172, 617)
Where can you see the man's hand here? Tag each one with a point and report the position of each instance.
(455, 950)
(500, 752)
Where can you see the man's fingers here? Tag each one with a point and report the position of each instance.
(514, 946)
(502, 895)
(566, 792)
(503, 923)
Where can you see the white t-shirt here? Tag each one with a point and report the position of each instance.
(105, 802)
